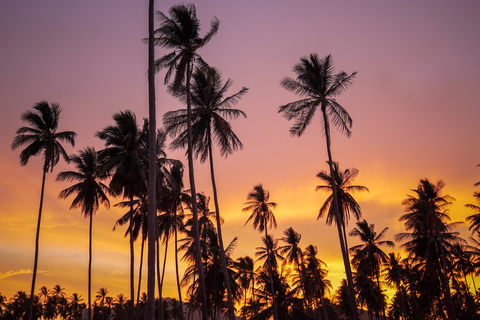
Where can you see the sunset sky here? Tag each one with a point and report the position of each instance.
(414, 105)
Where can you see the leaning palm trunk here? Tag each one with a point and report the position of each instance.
(37, 238)
(191, 175)
(159, 284)
(341, 234)
(269, 263)
(90, 268)
(231, 307)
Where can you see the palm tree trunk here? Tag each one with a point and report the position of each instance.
(132, 264)
(176, 266)
(37, 238)
(272, 288)
(90, 268)
(159, 285)
(152, 173)
(231, 307)
(191, 175)
(164, 264)
(140, 271)
(346, 260)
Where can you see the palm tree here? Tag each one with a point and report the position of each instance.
(43, 139)
(431, 235)
(294, 253)
(316, 286)
(75, 306)
(123, 155)
(262, 215)
(319, 86)
(171, 201)
(368, 257)
(209, 125)
(152, 159)
(180, 32)
(90, 193)
(245, 277)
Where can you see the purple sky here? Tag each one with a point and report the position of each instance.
(413, 104)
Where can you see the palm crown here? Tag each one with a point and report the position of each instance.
(181, 32)
(319, 85)
(42, 136)
(209, 116)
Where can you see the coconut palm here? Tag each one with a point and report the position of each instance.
(123, 157)
(293, 253)
(368, 257)
(171, 201)
(43, 139)
(262, 216)
(209, 126)
(180, 32)
(245, 277)
(430, 236)
(90, 193)
(316, 286)
(317, 83)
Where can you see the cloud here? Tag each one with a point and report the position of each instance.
(9, 274)
(116, 273)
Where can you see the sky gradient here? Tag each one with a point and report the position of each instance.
(414, 105)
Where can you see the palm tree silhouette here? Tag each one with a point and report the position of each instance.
(171, 201)
(90, 192)
(245, 277)
(430, 236)
(43, 139)
(368, 257)
(319, 86)
(180, 32)
(123, 155)
(340, 201)
(262, 215)
(209, 125)
(294, 254)
(316, 286)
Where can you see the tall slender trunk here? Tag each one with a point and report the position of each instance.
(37, 238)
(176, 265)
(159, 284)
(346, 260)
(164, 265)
(269, 263)
(89, 306)
(132, 263)
(140, 272)
(152, 172)
(191, 175)
(226, 277)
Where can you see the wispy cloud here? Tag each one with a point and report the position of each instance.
(116, 273)
(14, 273)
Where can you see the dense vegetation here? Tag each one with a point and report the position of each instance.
(430, 275)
